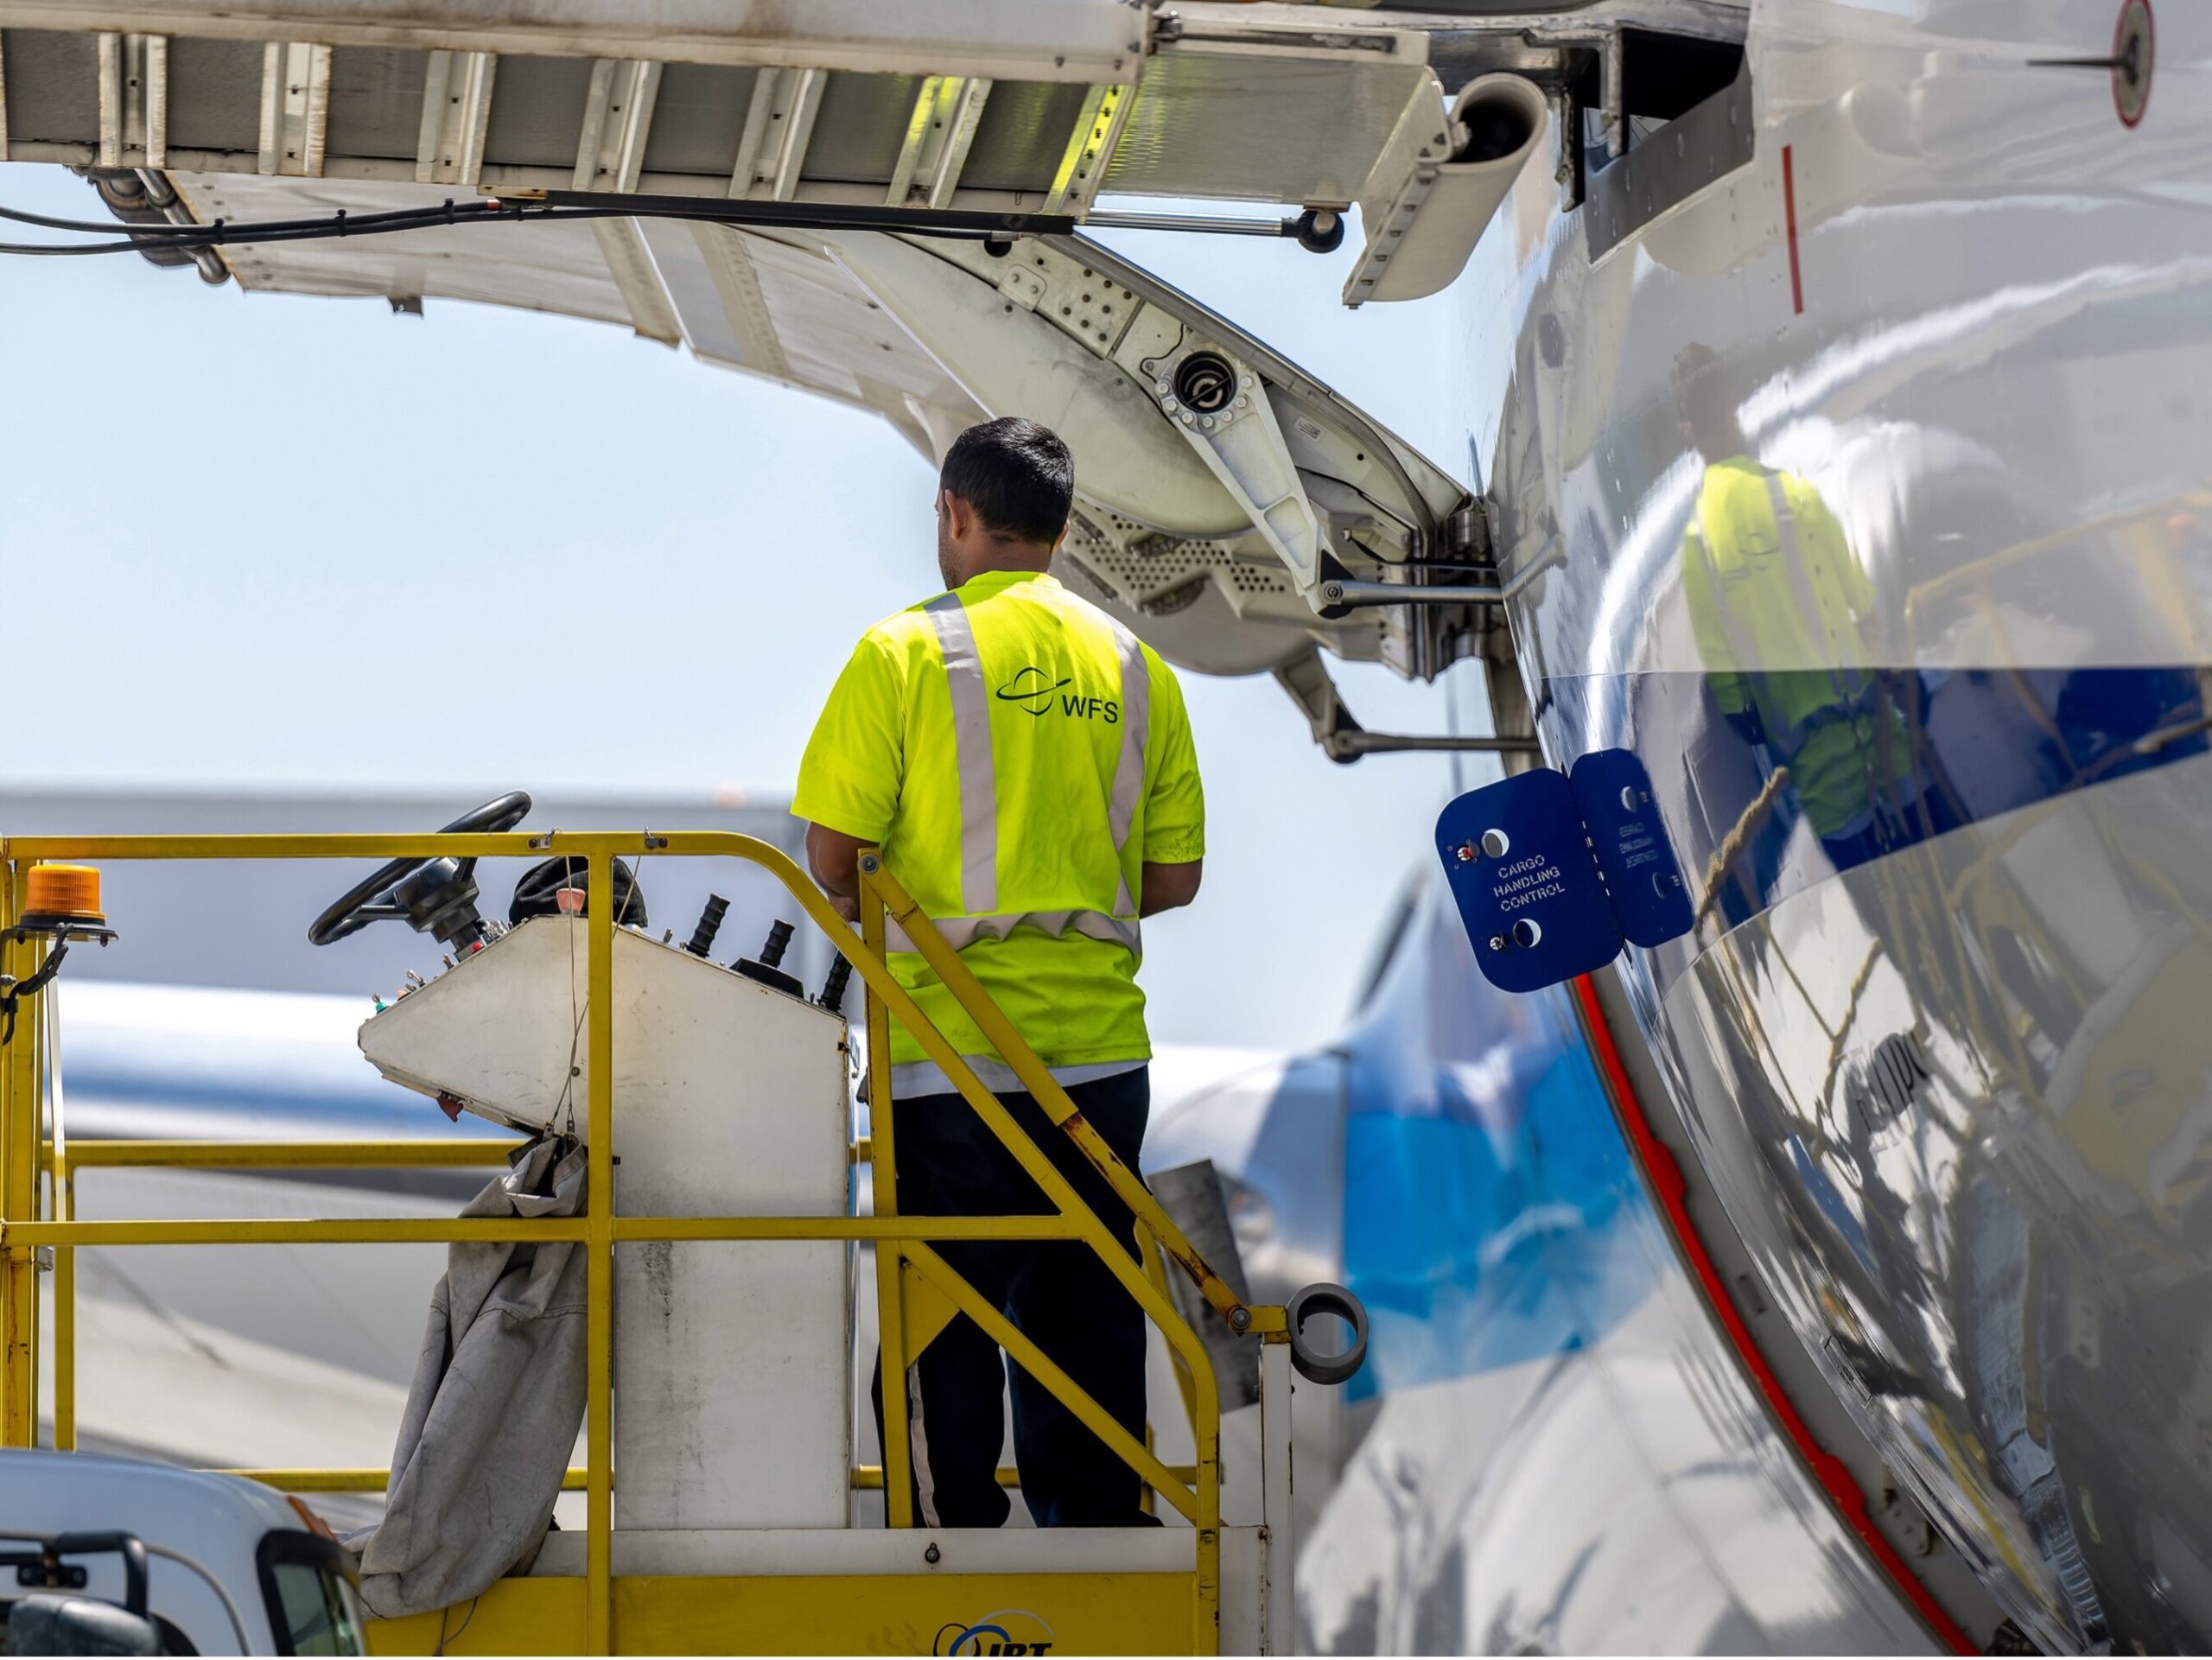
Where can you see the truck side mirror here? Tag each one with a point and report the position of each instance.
(48, 1622)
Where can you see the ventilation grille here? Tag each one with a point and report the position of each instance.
(1086, 577)
(1181, 597)
(1161, 574)
(1165, 562)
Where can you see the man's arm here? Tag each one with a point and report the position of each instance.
(835, 858)
(1169, 888)
(850, 772)
(1175, 805)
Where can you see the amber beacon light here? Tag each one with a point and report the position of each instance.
(60, 895)
(61, 902)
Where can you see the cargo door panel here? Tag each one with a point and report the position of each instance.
(1220, 489)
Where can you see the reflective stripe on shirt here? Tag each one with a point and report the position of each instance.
(925, 1077)
(960, 932)
(972, 742)
(979, 804)
(1128, 770)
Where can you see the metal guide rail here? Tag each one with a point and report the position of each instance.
(1157, 1591)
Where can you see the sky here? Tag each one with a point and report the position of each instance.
(288, 543)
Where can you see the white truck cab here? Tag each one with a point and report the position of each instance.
(170, 1560)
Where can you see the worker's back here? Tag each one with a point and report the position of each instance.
(1041, 754)
(1025, 767)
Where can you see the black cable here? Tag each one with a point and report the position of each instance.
(49, 222)
(223, 232)
(50, 250)
(806, 216)
(13, 991)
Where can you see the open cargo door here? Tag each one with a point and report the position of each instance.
(883, 210)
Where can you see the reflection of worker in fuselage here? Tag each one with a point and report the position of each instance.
(1025, 765)
(1777, 600)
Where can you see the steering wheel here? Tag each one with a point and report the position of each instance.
(436, 896)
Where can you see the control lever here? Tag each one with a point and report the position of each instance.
(833, 988)
(765, 969)
(711, 923)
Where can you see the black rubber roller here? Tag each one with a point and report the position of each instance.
(1313, 1365)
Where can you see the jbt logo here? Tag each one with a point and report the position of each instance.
(1038, 693)
(1010, 1630)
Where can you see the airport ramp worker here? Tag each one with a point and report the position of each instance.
(1025, 765)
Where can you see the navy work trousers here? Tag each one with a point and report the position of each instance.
(1056, 1292)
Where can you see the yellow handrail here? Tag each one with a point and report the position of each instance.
(19, 1079)
(904, 1243)
(401, 1154)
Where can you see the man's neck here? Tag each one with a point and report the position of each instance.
(1021, 558)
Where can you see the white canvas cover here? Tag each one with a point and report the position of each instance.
(497, 1400)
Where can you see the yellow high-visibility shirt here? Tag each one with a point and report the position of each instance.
(1776, 600)
(1019, 756)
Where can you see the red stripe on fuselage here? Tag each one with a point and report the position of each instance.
(1789, 224)
(1665, 1177)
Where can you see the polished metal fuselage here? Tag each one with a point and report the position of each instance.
(1926, 723)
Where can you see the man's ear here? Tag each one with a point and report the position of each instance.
(958, 515)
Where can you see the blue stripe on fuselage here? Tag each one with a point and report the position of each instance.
(1970, 744)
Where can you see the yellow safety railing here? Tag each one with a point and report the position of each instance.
(62, 1164)
(917, 1292)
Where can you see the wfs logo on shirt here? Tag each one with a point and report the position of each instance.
(1010, 1630)
(1040, 694)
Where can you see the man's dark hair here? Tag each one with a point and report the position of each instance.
(1016, 474)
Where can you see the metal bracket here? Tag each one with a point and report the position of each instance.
(456, 116)
(1342, 739)
(1220, 405)
(1349, 747)
(1350, 593)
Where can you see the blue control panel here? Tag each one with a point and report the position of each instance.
(1651, 899)
(1519, 862)
(1554, 871)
